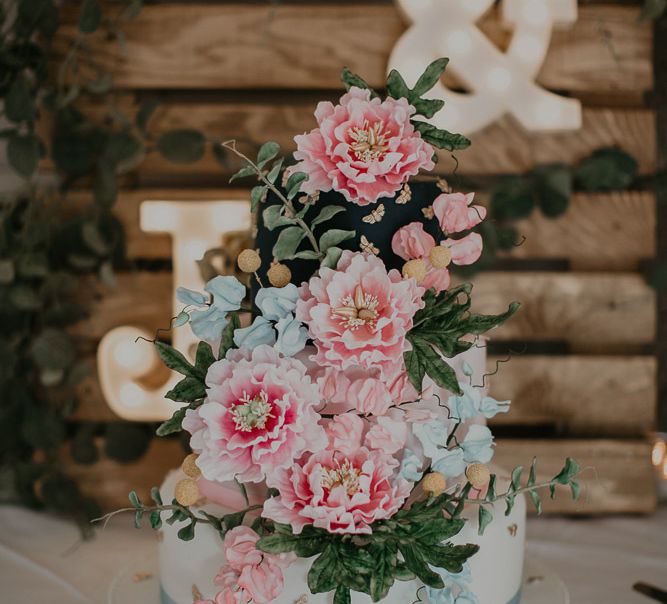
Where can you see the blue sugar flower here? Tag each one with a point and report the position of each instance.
(292, 336)
(277, 302)
(449, 462)
(466, 597)
(259, 332)
(478, 445)
(461, 580)
(471, 403)
(440, 596)
(227, 293)
(411, 466)
(432, 435)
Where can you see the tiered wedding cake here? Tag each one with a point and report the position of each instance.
(340, 447)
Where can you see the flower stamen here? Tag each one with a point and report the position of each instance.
(358, 310)
(345, 475)
(252, 412)
(369, 142)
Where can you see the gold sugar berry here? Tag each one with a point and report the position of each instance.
(414, 269)
(190, 467)
(440, 256)
(187, 492)
(249, 261)
(434, 484)
(279, 275)
(478, 475)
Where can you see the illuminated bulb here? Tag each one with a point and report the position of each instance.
(129, 355)
(474, 7)
(548, 112)
(659, 453)
(535, 12)
(459, 42)
(160, 217)
(195, 249)
(132, 395)
(499, 79)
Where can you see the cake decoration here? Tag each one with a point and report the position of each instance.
(344, 414)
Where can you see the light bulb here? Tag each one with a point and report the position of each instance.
(158, 216)
(528, 46)
(659, 453)
(132, 395)
(499, 79)
(194, 249)
(548, 112)
(535, 12)
(128, 354)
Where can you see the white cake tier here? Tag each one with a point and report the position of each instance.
(496, 568)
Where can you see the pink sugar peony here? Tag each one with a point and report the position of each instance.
(359, 314)
(364, 148)
(259, 415)
(249, 575)
(455, 212)
(342, 493)
(345, 432)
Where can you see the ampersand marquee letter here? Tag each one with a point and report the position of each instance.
(122, 362)
(499, 82)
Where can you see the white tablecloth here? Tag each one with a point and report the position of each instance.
(42, 560)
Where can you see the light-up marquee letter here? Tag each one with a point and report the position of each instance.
(499, 82)
(123, 363)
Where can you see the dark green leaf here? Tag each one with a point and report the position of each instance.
(277, 543)
(138, 515)
(182, 146)
(553, 188)
(352, 79)
(122, 148)
(204, 357)
(308, 255)
(287, 243)
(532, 476)
(327, 213)
(512, 199)
(575, 487)
(415, 562)
(396, 86)
(19, 104)
(24, 297)
(267, 152)
(273, 217)
(430, 77)
(257, 195)
(333, 237)
(173, 424)
(479, 324)
(428, 107)
(243, 173)
(32, 265)
(53, 349)
(146, 111)
(90, 16)
(173, 359)
(450, 557)
(187, 390)
(441, 138)
(156, 519)
(437, 530)
(23, 153)
(332, 257)
(233, 520)
(484, 519)
(322, 576)
(607, 170)
(272, 176)
(516, 478)
(294, 184)
(134, 499)
(155, 495)
(106, 184)
(537, 502)
(227, 339)
(187, 533)
(652, 9)
(83, 448)
(342, 596)
(126, 442)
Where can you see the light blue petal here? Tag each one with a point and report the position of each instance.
(440, 596)
(411, 466)
(277, 302)
(227, 292)
(208, 324)
(461, 580)
(292, 336)
(432, 436)
(466, 597)
(465, 406)
(490, 407)
(449, 462)
(189, 296)
(478, 445)
(260, 332)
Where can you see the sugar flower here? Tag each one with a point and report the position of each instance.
(292, 336)
(412, 242)
(339, 492)
(359, 314)
(411, 466)
(432, 435)
(449, 462)
(473, 402)
(258, 416)
(277, 302)
(478, 444)
(226, 295)
(249, 575)
(455, 212)
(259, 332)
(363, 148)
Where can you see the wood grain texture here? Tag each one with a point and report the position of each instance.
(571, 307)
(621, 481)
(109, 482)
(502, 148)
(253, 46)
(583, 236)
(617, 478)
(574, 395)
(578, 395)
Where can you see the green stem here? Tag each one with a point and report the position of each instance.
(231, 146)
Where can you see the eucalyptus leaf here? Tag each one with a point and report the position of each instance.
(244, 172)
(274, 217)
(23, 153)
(430, 77)
(19, 105)
(126, 442)
(485, 517)
(607, 170)
(90, 16)
(267, 152)
(327, 213)
(287, 243)
(333, 237)
(182, 146)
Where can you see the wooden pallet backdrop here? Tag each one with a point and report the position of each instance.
(254, 72)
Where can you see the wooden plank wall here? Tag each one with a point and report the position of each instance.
(254, 72)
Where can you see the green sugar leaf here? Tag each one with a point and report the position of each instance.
(267, 152)
(173, 424)
(485, 518)
(287, 243)
(430, 77)
(333, 237)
